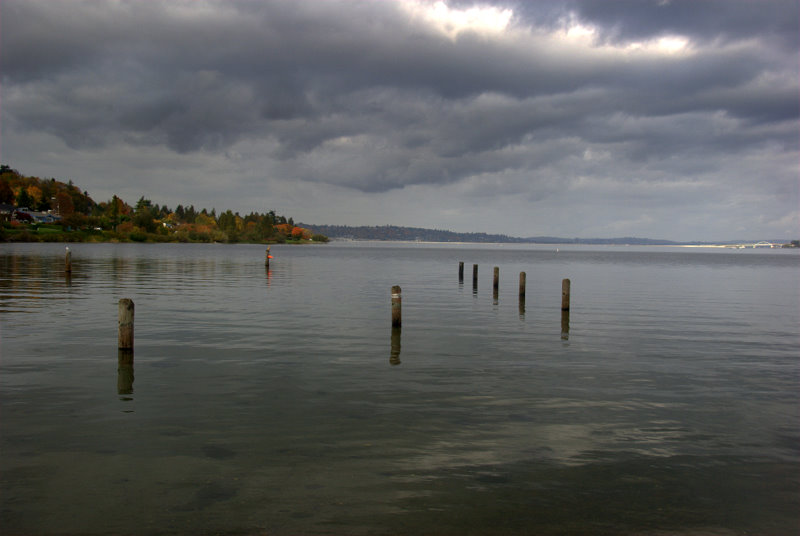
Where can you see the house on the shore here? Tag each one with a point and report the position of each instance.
(44, 217)
(24, 215)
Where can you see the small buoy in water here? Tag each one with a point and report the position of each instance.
(269, 256)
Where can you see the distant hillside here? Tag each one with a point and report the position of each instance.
(391, 232)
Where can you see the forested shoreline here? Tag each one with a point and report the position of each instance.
(33, 209)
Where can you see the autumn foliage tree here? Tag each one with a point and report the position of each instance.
(64, 204)
(284, 228)
(301, 234)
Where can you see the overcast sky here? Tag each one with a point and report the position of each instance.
(597, 118)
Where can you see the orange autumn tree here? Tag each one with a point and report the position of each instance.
(35, 193)
(301, 234)
(285, 229)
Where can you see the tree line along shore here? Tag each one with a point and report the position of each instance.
(48, 210)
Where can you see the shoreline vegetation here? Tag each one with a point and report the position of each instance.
(48, 210)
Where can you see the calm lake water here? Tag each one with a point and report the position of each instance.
(280, 402)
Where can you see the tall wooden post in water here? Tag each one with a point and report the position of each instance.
(474, 276)
(266, 260)
(68, 261)
(522, 277)
(461, 272)
(565, 289)
(126, 324)
(124, 371)
(396, 305)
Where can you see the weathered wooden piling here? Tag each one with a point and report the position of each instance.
(126, 324)
(522, 278)
(461, 272)
(267, 257)
(396, 307)
(68, 261)
(565, 288)
(475, 275)
(124, 371)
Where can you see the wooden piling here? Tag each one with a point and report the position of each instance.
(396, 307)
(266, 259)
(461, 272)
(126, 324)
(68, 261)
(565, 289)
(475, 275)
(124, 372)
(522, 277)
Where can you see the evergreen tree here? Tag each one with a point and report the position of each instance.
(23, 199)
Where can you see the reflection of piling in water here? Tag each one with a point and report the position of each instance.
(126, 324)
(394, 357)
(461, 272)
(396, 307)
(565, 324)
(495, 286)
(124, 371)
(68, 261)
(565, 284)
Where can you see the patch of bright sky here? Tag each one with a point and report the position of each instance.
(671, 44)
(577, 32)
(450, 21)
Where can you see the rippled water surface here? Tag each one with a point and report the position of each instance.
(281, 402)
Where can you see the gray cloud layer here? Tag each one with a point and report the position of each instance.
(594, 118)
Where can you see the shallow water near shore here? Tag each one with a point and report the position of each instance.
(279, 401)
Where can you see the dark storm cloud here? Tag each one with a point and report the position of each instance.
(381, 96)
(208, 80)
